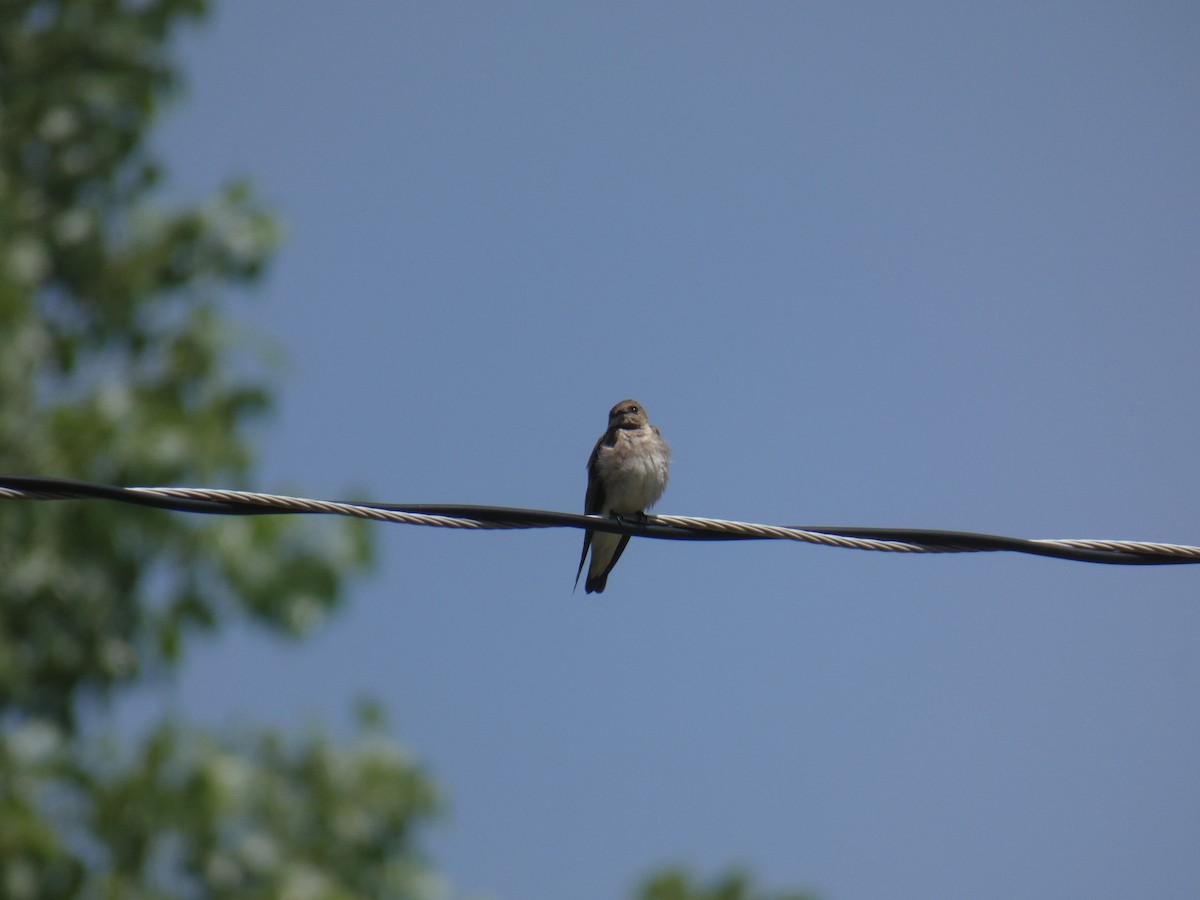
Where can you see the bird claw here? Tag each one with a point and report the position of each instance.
(637, 518)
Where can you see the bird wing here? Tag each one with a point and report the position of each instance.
(593, 502)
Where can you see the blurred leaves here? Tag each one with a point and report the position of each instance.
(117, 364)
(677, 884)
(194, 815)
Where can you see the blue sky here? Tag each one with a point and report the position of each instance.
(929, 264)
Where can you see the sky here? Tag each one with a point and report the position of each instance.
(930, 264)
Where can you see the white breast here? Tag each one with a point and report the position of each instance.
(634, 471)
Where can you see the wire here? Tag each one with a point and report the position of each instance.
(676, 528)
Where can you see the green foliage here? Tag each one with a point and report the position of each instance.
(676, 884)
(117, 365)
(194, 816)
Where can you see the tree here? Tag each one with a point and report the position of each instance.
(677, 884)
(118, 364)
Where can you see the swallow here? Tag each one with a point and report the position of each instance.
(627, 473)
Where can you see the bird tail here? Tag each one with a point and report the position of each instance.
(587, 542)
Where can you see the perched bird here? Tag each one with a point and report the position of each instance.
(627, 473)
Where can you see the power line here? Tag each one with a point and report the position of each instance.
(676, 528)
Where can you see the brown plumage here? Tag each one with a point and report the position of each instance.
(627, 473)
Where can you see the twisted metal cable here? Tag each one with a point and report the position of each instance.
(780, 532)
(688, 528)
(1180, 550)
(280, 503)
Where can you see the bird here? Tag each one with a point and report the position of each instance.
(627, 473)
